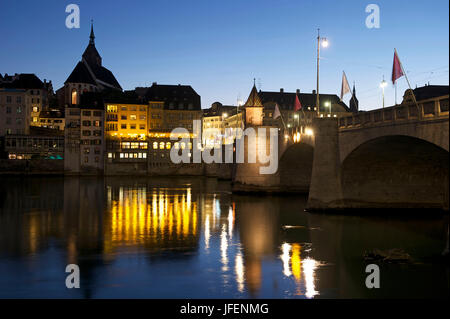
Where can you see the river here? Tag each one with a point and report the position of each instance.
(136, 237)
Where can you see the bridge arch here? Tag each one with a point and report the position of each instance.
(295, 167)
(396, 171)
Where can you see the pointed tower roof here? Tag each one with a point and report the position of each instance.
(91, 55)
(253, 98)
(92, 36)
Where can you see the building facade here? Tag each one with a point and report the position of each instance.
(22, 98)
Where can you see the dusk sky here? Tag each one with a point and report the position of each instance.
(218, 47)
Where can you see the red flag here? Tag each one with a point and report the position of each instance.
(297, 104)
(397, 71)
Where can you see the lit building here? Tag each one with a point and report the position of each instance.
(84, 135)
(53, 119)
(253, 109)
(220, 118)
(330, 106)
(22, 98)
(139, 126)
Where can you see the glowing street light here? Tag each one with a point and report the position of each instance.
(383, 84)
(324, 43)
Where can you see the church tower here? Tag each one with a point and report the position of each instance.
(253, 108)
(354, 104)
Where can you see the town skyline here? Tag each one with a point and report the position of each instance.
(198, 64)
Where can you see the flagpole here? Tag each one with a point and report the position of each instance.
(406, 77)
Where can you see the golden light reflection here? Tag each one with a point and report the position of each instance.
(230, 222)
(296, 262)
(138, 218)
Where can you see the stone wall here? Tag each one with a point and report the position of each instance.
(31, 167)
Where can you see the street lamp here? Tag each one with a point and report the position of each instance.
(296, 117)
(328, 104)
(324, 43)
(383, 84)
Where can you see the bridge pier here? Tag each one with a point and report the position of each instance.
(325, 190)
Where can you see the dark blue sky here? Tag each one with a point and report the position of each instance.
(218, 47)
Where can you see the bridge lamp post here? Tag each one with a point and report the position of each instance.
(328, 104)
(383, 84)
(324, 43)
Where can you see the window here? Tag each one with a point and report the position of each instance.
(142, 108)
(86, 123)
(168, 145)
(121, 155)
(123, 108)
(35, 109)
(132, 108)
(161, 145)
(142, 126)
(133, 117)
(18, 99)
(8, 120)
(19, 109)
(144, 155)
(123, 126)
(125, 144)
(98, 123)
(86, 133)
(18, 121)
(96, 159)
(123, 117)
(87, 150)
(143, 145)
(8, 109)
(111, 108)
(97, 133)
(86, 159)
(155, 145)
(134, 145)
(74, 96)
(142, 117)
(8, 99)
(110, 155)
(86, 113)
(97, 113)
(132, 126)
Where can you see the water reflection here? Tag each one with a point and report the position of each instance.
(139, 237)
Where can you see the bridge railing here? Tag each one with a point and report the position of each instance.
(428, 110)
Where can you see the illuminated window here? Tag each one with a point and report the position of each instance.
(110, 155)
(126, 155)
(121, 155)
(111, 108)
(134, 145)
(74, 96)
(190, 146)
(161, 145)
(140, 155)
(143, 145)
(144, 155)
(133, 117)
(183, 145)
(168, 145)
(155, 145)
(142, 126)
(132, 126)
(125, 144)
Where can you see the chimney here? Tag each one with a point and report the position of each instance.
(281, 90)
(297, 91)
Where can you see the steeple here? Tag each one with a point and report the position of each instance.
(253, 98)
(92, 36)
(354, 104)
(91, 55)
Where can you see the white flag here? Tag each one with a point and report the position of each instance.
(345, 87)
(276, 113)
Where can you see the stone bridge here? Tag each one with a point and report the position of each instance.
(392, 157)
